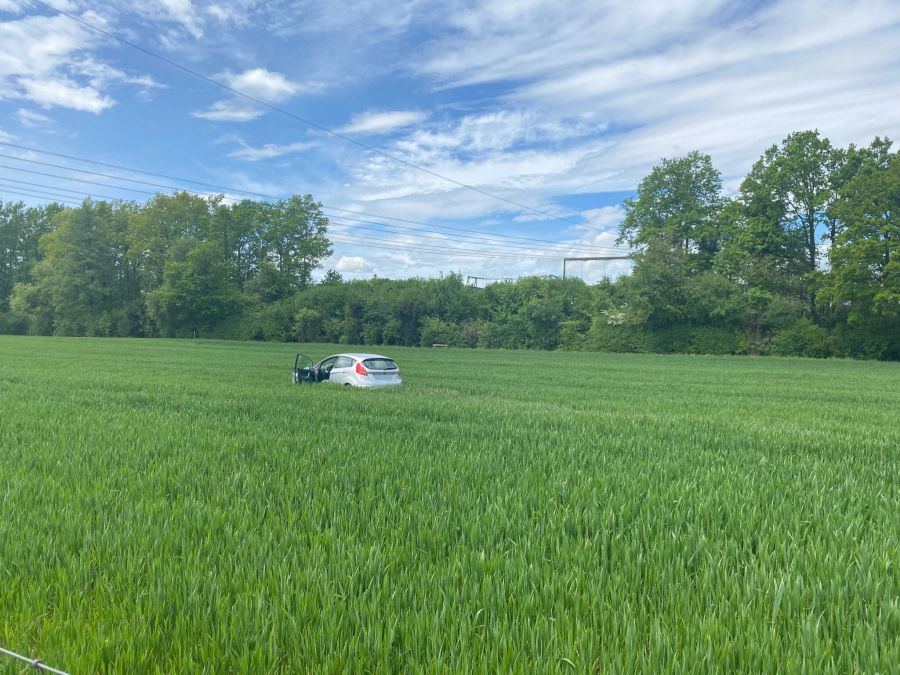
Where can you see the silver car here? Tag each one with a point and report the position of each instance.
(371, 371)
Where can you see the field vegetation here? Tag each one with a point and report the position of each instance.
(177, 506)
(803, 261)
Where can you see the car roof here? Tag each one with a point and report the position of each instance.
(359, 356)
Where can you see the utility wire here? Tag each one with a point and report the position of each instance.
(139, 171)
(51, 191)
(73, 194)
(24, 193)
(234, 190)
(366, 242)
(291, 115)
(102, 175)
(413, 232)
(418, 248)
(337, 236)
(369, 242)
(560, 248)
(75, 180)
(34, 663)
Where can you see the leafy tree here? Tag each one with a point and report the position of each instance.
(293, 237)
(678, 203)
(793, 182)
(166, 221)
(197, 293)
(79, 281)
(20, 231)
(864, 281)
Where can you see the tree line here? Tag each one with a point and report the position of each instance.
(803, 260)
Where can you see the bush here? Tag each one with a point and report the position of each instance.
(268, 322)
(671, 339)
(436, 331)
(804, 338)
(717, 340)
(607, 337)
(573, 335)
(14, 323)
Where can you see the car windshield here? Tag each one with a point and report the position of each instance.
(380, 364)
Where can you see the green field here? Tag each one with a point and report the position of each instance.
(170, 506)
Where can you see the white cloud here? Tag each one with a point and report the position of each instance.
(103, 74)
(353, 264)
(230, 110)
(31, 119)
(269, 150)
(5, 136)
(183, 12)
(262, 84)
(269, 86)
(383, 122)
(589, 104)
(66, 93)
(48, 60)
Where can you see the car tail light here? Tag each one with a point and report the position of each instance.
(361, 369)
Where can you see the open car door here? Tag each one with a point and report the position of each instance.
(303, 370)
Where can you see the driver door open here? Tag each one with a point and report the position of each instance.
(303, 369)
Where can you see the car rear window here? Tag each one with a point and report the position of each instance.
(380, 364)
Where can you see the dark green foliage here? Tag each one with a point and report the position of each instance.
(812, 234)
(804, 338)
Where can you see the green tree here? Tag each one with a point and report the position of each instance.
(79, 281)
(793, 183)
(294, 238)
(162, 224)
(678, 203)
(864, 280)
(197, 292)
(21, 229)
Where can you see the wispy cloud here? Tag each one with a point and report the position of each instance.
(270, 150)
(262, 84)
(31, 119)
(49, 60)
(230, 110)
(383, 121)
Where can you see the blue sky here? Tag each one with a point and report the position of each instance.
(562, 106)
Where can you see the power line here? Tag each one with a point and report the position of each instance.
(139, 171)
(25, 193)
(349, 238)
(291, 115)
(75, 180)
(234, 190)
(423, 248)
(477, 238)
(34, 663)
(368, 242)
(413, 232)
(43, 190)
(102, 175)
(73, 193)
(338, 237)
(441, 227)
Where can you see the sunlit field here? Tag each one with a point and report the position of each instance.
(171, 506)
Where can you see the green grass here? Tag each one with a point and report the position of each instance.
(175, 506)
